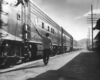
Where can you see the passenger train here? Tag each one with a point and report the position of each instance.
(19, 40)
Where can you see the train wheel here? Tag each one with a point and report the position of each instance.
(59, 50)
(16, 55)
(2, 60)
(51, 53)
(45, 58)
(5, 56)
(12, 58)
(56, 51)
(30, 55)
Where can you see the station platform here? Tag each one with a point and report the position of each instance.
(85, 66)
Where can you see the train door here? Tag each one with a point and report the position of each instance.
(26, 22)
(26, 30)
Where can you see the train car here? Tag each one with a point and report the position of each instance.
(75, 45)
(19, 40)
(67, 41)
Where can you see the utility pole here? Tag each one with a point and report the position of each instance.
(92, 23)
(92, 20)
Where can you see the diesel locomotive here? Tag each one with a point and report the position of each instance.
(19, 40)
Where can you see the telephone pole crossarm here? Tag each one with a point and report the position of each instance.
(92, 23)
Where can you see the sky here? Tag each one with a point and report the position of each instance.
(71, 14)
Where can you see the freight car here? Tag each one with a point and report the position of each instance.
(19, 42)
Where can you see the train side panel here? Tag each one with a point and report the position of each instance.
(19, 40)
(67, 41)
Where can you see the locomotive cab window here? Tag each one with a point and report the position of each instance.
(42, 25)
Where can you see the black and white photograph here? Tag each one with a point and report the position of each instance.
(49, 39)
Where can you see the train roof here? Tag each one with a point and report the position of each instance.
(40, 13)
(67, 33)
(43, 15)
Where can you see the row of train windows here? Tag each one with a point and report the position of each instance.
(52, 30)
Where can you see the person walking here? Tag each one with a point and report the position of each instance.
(47, 45)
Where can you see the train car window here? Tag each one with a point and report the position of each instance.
(51, 30)
(48, 28)
(42, 25)
(18, 17)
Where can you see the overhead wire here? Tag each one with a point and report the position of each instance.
(97, 4)
(97, 7)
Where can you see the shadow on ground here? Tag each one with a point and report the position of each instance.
(86, 66)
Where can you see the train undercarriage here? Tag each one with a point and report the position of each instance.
(17, 52)
(14, 52)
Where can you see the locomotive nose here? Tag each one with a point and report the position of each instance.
(0, 12)
(0, 18)
(3, 13)
(3, 17)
